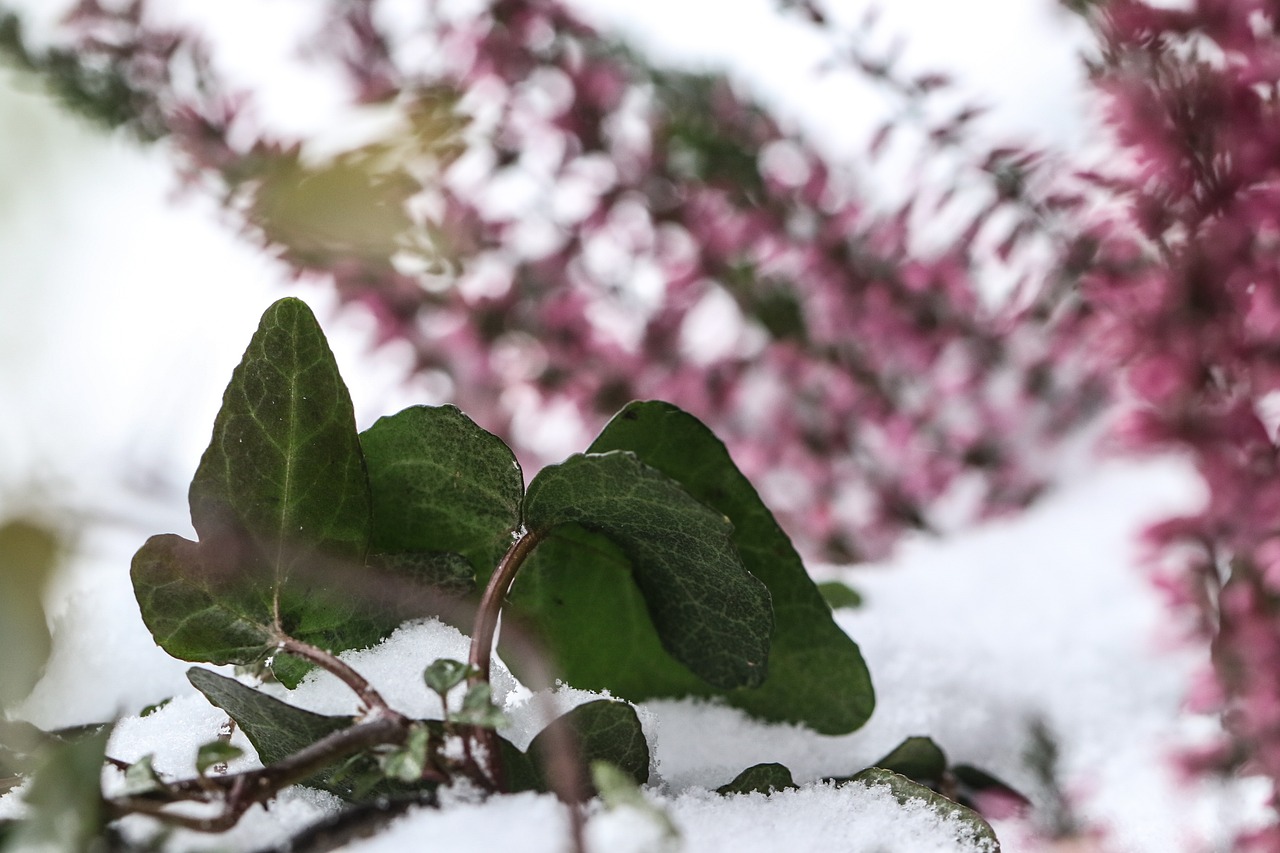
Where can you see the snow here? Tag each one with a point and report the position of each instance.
(968, 640)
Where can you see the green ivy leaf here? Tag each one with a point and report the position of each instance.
(971, 828)
(440, 483)
(708, 612)
(605, 730)
(816, 675)
(280, 502)
(66, 799)
(408, 763)
(759, 778)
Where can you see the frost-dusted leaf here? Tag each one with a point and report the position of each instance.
(441, 483)
(281, 504)
(604, 730)
(478, 708)
(66, 799)
(708, 611)
(970, 827)
(817, 676)
(917, 758)
(761, 779)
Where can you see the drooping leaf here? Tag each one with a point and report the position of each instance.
(277, 730)
(971, 829)
(141, 777)
(441, 484)
(281, 505)
(604, 730)
(65, 799)
(708, 612)
(817, 676)
(759, 779)
(478, 708)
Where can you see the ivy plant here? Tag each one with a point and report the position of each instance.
(646, 566)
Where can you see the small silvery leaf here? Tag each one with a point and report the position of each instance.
(478, 708)
(443, 675)
(141, 777)
(215, 752)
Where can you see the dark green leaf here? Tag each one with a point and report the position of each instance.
(441, 483)
(919, 759)
(816, 673)
(604, 730)
(451, 574)
(971, 828)
(215, 752)
(281, 504)
(284, 465)
(708, 611)
(278, 730)
(761, 779)
(838, 595)
(66, 799)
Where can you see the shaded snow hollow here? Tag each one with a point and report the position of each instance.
(968, 640)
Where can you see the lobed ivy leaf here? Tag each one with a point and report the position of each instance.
(604, 730)
(280, 502)
(759, 779)
(971, 828)
(708, 612)
(440, 483)
(576, 592)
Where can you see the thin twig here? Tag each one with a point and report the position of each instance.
(369, 696)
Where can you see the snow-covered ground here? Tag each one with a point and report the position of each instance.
(121, 316)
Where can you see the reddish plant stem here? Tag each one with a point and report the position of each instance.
(241, 790)
(482, 636)
(369, 696)
(486, 624)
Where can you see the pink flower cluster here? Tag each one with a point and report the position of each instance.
(1187, 297)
